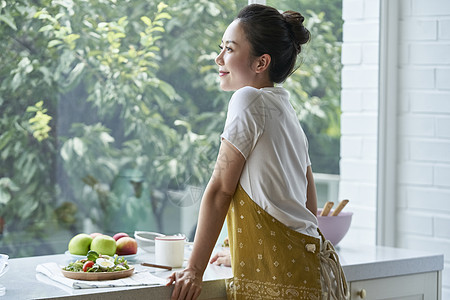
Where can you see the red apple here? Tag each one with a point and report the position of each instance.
(119, 235)
(126, 246)
(95, 234)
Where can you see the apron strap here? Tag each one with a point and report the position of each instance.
(331, 267)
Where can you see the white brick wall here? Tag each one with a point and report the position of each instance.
(443, 75)
(419, 30)
(424, 129)
(444, 29)
(429, 8)
(427, 102)
(423, 124)
(359, 119)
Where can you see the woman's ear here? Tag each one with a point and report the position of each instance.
(262, 63)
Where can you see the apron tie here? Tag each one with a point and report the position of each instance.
(329, 261)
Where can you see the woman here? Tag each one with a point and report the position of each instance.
(262, 177)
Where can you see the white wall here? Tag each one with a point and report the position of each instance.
(423, 124)
(359, 119)
(423, 208)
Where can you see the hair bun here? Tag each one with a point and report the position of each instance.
(300, 34)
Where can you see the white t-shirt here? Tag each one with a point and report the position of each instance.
(263, 126)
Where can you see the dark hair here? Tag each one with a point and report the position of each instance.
(281, 35)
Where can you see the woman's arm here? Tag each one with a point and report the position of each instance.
(214, 207)
(311, 196)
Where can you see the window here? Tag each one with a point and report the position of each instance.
(111, 114)
(315, 88)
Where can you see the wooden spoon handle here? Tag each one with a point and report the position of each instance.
(326, 209)
(339, 207)
(156, 266)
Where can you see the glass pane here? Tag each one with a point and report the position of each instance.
(110, 117)
(316, 86)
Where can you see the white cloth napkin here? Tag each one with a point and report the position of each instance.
(3, 263)
(53, 271)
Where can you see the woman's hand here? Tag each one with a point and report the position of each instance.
(188, 284)
(222, 258)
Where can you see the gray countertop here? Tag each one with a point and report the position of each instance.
(359, 263)
(370, 262)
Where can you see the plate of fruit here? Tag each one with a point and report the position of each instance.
(96, 266)
(120, 244)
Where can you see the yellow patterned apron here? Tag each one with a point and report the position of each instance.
(270, 260)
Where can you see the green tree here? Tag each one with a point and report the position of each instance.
(91, 66)
(91, 91)
(27, 192)
(316, 85)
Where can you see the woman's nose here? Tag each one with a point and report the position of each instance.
(219, 59)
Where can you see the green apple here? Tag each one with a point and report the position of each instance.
(104, 244)
(79, 244)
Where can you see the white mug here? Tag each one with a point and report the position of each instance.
(169, 250)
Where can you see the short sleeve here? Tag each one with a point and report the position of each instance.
(308, 159)
(245, 120)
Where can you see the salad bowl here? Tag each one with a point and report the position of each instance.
(98, 275)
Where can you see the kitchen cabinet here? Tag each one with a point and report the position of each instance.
(424, 286)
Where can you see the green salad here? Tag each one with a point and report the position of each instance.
(95, 262)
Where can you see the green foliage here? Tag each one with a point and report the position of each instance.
(315, 86)
(39, 123)
(89, 89)
(27, 161)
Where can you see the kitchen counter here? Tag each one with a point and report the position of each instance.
(22, 281)
(359, 263)
(362, 263)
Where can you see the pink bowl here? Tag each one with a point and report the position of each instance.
(334, 228)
